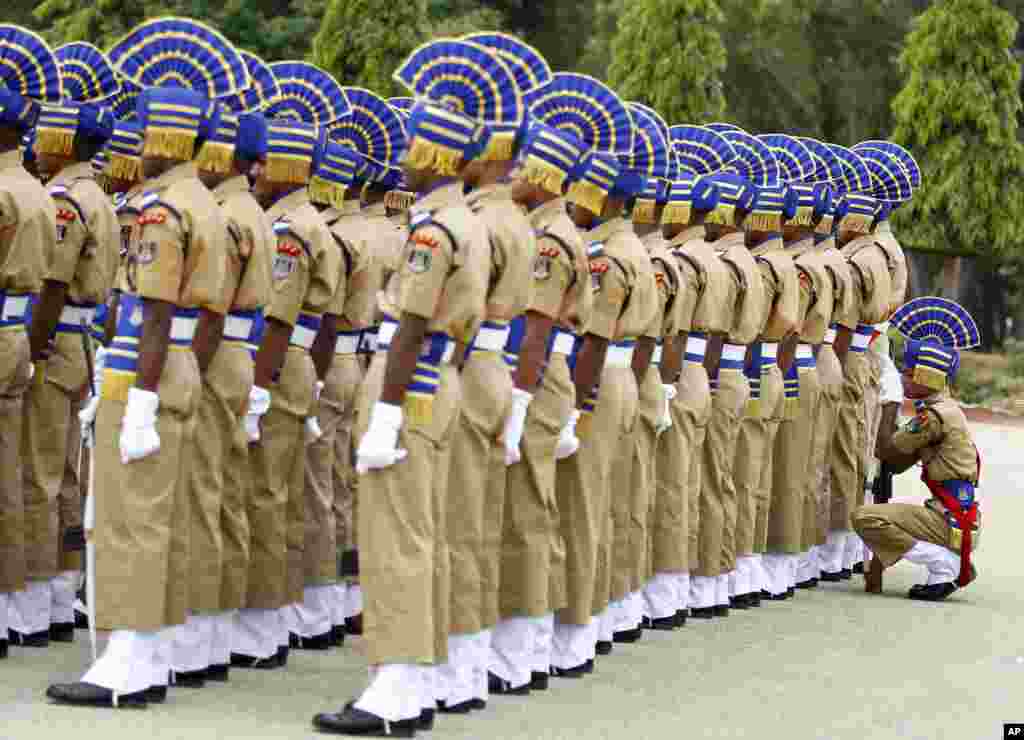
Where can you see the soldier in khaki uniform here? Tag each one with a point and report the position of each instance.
(80, 272)
(407, 410)
(219, 474)
(942, 535)
(730, 391)
(176, 273)
(532, 575)
(27, 239)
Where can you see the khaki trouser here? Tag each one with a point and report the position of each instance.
(754, 457)
(346, 377)
(791, 471)
(618, 498)
(142, 508)
(808, 413)
(890, 530)
(70, 497)
(222, 404)
(848, 443)
(234, 520)
(14, 381)
(277, 507)
(582, 491)
(403, 565)
(476, 492)
(529, 570)
(677, 500)
(718, 493)
(630, 492)
(830, 378)
(46, 437)
(872, 415)
(635, 559)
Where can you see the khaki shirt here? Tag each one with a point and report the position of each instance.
(625, 299)
(781, 304)
(28, 234)
(385, 237)
(250, 246)
(668, 280)
(444, 267)
(815, 289)
(562, 288)
(842, 284)
(306, 264)
(746, 293)
(513, 250)
(88, 236)
(704, 296)
(353, 301)
(940, 437)
(897, 263)
(178, 243)
(126, 208)
(871, 279)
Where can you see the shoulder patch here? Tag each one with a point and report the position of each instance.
(153, 217)
(598, 268)
(595, 250)
(422, 239)
(418, 219)
(66, 214)
(148, 199)
(419, 260)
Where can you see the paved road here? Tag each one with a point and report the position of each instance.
(834, 664)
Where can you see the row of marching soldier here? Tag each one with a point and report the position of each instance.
(497, 376)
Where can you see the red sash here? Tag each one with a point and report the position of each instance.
(965, 519)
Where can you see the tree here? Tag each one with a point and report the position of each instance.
(958, 113)
(669, 55)
(362, 41)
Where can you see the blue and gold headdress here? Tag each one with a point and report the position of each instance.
(700, 150)
(827, 167)
(308, 94)
(796, 163)
(895, 150)
(754, 161)
(721, 127)
(548, 156)
(734, 193)
(855, 210)
(402, 105)
(587, 109)
(218, 150)
(855, 177)
(472, 81)
(124, 102)
(937, 330)
(263, 90)
(294, 150)
(651, 154)
(813, 207)
(124, 152)
(890, 181)
(373, 129)
(87, 74)
(29, 74)
(530, 69)
(58, 124)
(337, 171)
(690, 193)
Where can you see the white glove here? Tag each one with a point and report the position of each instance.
(259, 404)
(379, 446)
(313, 430)
(514, 424)
(891, 382)
(568, 442)
(139, 438)
(664, 422)
(31, 371)
(318, 389)
(87, 415)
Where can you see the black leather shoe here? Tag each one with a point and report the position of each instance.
(603, 647)
(681, 617)
(588, 667)
(62, 632)
(282, 654)
(156, 694)
(190, 679)
(721, 610)
(539, 681)
(790, 592)
(337, 635)
(831, 577)
(754, 599)
(935, 592)
(352, 721)
(316, 642)
(83, 694)
(498, 685)
(809, 583)
(477, 704)
(238, 660)
(702, 612)
(646, 623)
(354, 625)
(778, 597)
(32, 640)
(3, 649)
(426, 720)
(628, 636)
(738, 602)
(858, 568)
(846, 574)
(665, 624)
(463, 707)
(81, 621)
(575, 672)
(218, 673)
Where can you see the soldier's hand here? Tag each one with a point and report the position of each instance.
(664, 422)
(568, 442)
(514, 425)
(312, 430)
(139, 438)
(259, 404)
(379, 446)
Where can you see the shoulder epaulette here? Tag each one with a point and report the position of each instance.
(595, 250)
(343, 245)
(61, 192)
(426, 218)
(150, 202)
(284, 228)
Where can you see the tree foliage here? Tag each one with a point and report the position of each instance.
(669, 55)
(958, 112)
(362, 41)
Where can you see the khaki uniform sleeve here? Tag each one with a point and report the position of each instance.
(325, 274)
(255, 286)
(206, 266)
(553, 275)
(160, 255)
(345, 267)
(610, 289)
(689, 291)
(664, 321)
(922, 431)
(72, 235)
(290, 272)
(849, 313)
(427, 259)
(805, 295)
(8, 210)
(362, 290)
